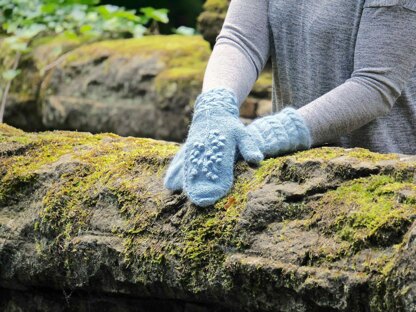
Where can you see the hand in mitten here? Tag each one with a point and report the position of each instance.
(206, 161)
(173, 180)
(275, 134)
(280, 133)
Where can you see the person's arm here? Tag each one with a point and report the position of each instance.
(385, 57)
(240, 53)
(203, 167)
(241, 49)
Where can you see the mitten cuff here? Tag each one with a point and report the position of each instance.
(217, 100)
(296, 128)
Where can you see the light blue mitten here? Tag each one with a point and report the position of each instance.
(173, 179)
(205, 163)
(275, 134)
(281, 133)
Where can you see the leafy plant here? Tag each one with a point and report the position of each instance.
(24, 20)
(184, 31)
(155, 16)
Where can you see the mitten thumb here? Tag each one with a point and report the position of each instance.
(248, 147)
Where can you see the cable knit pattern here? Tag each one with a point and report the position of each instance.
(216, 100)
(281, 133)
(205, 164)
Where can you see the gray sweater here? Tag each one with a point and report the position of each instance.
(349, 67)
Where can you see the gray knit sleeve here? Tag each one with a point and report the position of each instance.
(385, 57)
(241, 50)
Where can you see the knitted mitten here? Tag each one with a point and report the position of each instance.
(206, 161)
(173, 180)
(281, 133)
(275, 134)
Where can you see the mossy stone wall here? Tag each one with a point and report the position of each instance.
(326, 229)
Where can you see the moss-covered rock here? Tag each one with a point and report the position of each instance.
(211, 19)
(22, 109)
(143, 87)
(327, 229)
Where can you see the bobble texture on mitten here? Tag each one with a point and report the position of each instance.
(204, 165)
(208, 157)
(274, 135)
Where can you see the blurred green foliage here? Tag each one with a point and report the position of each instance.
(181, 12)
(21, 21)
(31, 17)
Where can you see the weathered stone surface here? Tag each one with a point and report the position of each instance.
(254, 107)
(321, 230)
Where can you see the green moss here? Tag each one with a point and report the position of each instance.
(183, 58)
(212, 232)
(174, 50)
(368, 211)
(47, 49)
(41, 150)
(216, 5)
(7, 131)
(68, 203)
(185, 73)
(263, 85)
(202, 242)
(323, 153)
(364, 154)
(110, 165)
(122, 168)
(269, 167)
(328, 153)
